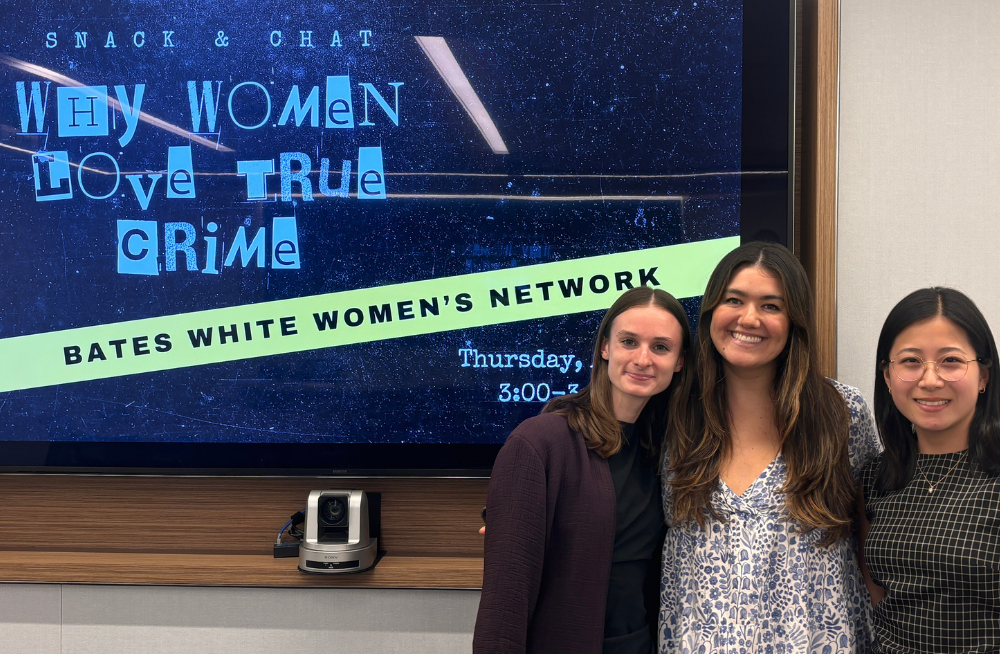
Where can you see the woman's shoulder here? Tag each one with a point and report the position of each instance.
(851, 395)
(543, 430)
(546, 439)
(871, 470)
(857, 405)
(868, 475)
(863, 440)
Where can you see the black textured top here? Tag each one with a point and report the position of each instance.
(638, 539)
(933, 546)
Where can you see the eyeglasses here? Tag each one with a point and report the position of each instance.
(950, 367)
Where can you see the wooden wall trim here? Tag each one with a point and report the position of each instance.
(243, 570)
(219, 530)
(820, 101)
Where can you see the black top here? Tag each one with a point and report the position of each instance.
(638, 539)
(936, 554)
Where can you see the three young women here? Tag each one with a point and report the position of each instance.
(932, 499)
(574, 524)
(763, 455)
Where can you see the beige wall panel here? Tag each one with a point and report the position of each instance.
(919, 162)
(30, 617)
(176, 620)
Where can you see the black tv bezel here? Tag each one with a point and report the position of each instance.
(767, 213)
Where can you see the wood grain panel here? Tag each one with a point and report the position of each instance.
(235, 515)
(231, 570)
(820, 52)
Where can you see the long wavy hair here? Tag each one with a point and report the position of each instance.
(811, 416)
(591, 411)
(900, 458)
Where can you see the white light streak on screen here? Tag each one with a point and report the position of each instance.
(437, 50)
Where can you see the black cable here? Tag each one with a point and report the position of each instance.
(293, 526)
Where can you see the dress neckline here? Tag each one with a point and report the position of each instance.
(941, 457)
(758, 480)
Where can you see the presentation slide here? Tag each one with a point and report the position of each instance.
(345, 222)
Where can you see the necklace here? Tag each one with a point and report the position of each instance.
(930, 486)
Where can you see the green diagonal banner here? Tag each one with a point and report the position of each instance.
(372, 314)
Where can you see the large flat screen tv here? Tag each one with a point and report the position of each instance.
(356, 237)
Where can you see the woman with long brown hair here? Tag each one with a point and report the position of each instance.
(763, 458)
(574, 524)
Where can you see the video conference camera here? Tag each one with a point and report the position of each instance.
(341, 532)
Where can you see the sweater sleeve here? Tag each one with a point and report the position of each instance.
(514, 549)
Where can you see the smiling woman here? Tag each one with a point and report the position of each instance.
(573, 518)
(750, 326)
(759, 476)
(642, 355)
(932, 499)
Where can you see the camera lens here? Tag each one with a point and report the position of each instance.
(333, 510)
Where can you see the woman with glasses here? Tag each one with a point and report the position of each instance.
(764, 455)
(932, 499)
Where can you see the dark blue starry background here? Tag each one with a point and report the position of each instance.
(594, 100)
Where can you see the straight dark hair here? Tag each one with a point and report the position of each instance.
(811, 416)
(900, 458)
(591, 411)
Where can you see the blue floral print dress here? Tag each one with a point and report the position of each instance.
(753, 585)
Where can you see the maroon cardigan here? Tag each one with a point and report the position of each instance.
(550, 531)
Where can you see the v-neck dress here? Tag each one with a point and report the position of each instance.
(753, 584)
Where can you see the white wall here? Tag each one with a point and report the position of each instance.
(919, 163)
(75, 619)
